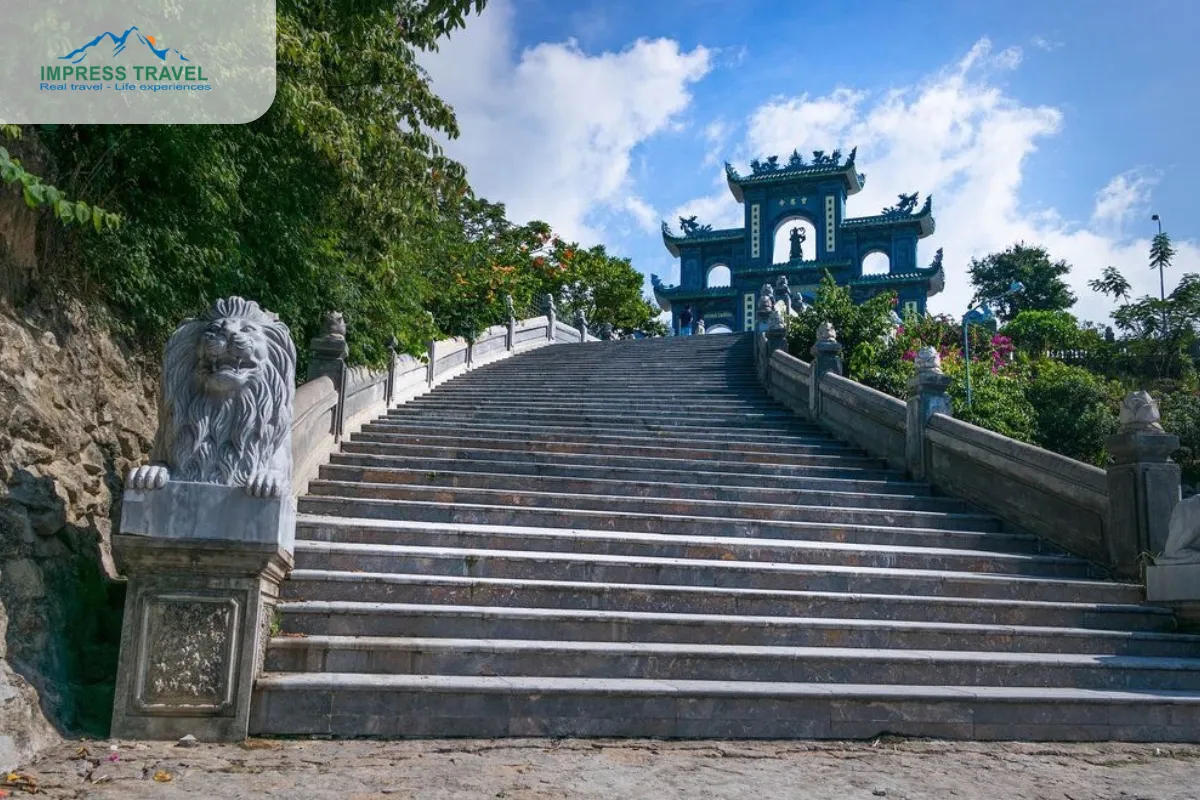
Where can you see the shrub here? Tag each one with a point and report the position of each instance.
(1074, 411)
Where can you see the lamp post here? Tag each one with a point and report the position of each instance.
(1162, 285)
(979, 315)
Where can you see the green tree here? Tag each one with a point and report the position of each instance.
(1045, 289)
(1074, 411)
(1035, 332)
(860, 326)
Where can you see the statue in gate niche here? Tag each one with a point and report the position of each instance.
(797, 239)
(225, 414)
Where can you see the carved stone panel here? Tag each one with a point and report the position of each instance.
(188, 654)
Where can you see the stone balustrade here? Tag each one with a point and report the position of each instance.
(1115, 517)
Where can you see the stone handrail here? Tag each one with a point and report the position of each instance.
(1108, 516)
(326, 412)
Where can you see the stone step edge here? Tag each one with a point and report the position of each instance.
(585, 513)
(534, 534)
(477, 553)
(627, 482)
(670, 649)
(946, 516)
(879, 484)
(302, 575)
(400, 448)
(303, 681)
(533, 613)
(398, 426)
(449, 435)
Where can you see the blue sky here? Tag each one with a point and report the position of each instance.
(1063, 123)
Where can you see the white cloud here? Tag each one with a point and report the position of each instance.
(960, 137)
(1048, 45)
(550, 131)
(1125, 195)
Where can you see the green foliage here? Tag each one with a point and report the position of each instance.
(1045, 289)
(1035, 332)
(859, 327)
(39, 194)
(1075, 411)
(1180, 409)
(998, 400)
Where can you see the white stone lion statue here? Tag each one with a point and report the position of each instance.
(225, 414)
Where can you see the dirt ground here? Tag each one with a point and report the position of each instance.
(525, 769)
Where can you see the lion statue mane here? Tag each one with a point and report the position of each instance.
(225, 411)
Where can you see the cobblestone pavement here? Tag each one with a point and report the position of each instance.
(525, 769)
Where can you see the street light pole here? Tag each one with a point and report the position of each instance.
(981, 313)
(1162, 285)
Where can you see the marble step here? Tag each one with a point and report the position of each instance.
(632, 522)
(759, 441)
(456, 591)
(660, 545)
(532, 565)
(495, 655)
(891, 490)
(674, 506)
(354, 704)
(456, 475)
(715, 456)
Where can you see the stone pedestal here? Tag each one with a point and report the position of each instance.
(927, 396)
(1176, 586)
(204, 564)
(826, 357)
(1143, 488)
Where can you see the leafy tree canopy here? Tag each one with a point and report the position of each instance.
(1045, 289)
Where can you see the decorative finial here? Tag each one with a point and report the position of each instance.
(548, 303)
(826, 332)
(1139, 413)
(508, 306)
(928, 360)
(775, 321)
(393, 343)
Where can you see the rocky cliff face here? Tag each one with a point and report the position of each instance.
(76, 412)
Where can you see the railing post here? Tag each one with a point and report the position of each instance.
(432, 353)
(510, 339)
(329, 352)
(390, 392)
(927, 396)
(1143, 484)
(827, 357)
(581, 324)
(550, 316)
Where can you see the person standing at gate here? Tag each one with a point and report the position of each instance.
(685, 322)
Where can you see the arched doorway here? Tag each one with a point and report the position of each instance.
(720, 327)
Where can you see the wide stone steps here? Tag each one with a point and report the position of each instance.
(379, 467)
(358, 704)
(633, 539)
(615, 458)
(729, 550)
(400, 590)
(635, 522)
(846, 576)
(838, 496)
(686, 507)
(404, 430)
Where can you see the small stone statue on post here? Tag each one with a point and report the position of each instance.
(699, 327)
(1143, 484)
(548, 305)
(766, 305)
(827, 357)
(207, 528)
(606, 333)
(927, 396)
(581, 324)
(510, 314)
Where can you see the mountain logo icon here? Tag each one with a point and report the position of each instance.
(121, 44)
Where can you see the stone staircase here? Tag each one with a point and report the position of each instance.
(631, 539)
